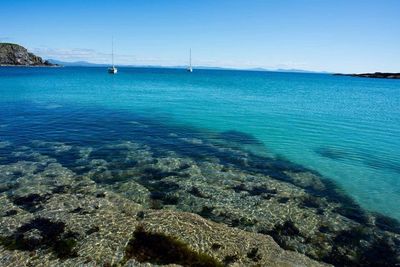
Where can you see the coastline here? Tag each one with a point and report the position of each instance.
(377, 75)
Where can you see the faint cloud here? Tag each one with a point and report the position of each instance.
(93, 56)
(75, 54)
(4, 39)
(291, 65)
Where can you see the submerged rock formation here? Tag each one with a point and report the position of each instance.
(16, 55)
(161, 194)
(71, 221)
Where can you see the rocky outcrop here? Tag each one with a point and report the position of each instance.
(68, 223)
(381, 75)
(16, 55)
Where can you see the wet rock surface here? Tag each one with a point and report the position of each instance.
(69, 204)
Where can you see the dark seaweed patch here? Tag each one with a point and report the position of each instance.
(216, 246)
(77, 210)
(229, 259)
(240, 188)
(242, 222)
(352, 237)
(101, 195)
(254, 255)
(43, 233)
(196, 192)
(259, 190)
(64, 248)
(162, 249)
(380, 254)
(166, 199)
(93, 230)
(255, 190)
(281, 232)
(354, 212)
(283, 200)
(161, 186)
(61, 189)
(288, 228)
(163, 191)
(156, 174)
(206, 212)
(387, 224)
(324, 229)
(310, 202)
(31, 202)
(111, 176)
(140, 215)
(347, 251)
(10, 213)
(155, 204)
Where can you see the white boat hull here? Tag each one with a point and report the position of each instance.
(112, 70)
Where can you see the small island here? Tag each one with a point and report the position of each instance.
(16, 55)
(380, 75)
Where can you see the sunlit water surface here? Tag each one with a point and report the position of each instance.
(347, 129)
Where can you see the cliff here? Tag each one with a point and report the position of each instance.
(16, 55)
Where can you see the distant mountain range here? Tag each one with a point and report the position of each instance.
(76, 63)
(89, 64)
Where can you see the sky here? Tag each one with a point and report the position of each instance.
(319, 35)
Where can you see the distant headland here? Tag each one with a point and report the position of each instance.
(16, 55)
(381, 75)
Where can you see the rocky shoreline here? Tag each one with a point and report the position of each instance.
(380, 75)
(16, 55)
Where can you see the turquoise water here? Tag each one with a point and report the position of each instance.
(345, 128)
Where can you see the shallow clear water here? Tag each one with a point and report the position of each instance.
(345, 128)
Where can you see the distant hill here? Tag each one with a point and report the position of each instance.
(75, 63)
(89, 64)
(16, 55)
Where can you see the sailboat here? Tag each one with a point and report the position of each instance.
(112, 69)
(190, 68)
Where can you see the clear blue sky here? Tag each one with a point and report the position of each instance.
(322, 35)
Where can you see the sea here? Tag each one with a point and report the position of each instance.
(345, 130)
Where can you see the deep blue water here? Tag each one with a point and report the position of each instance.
(347, 129)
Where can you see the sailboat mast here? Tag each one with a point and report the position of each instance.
(190, 58)
(112, 51)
